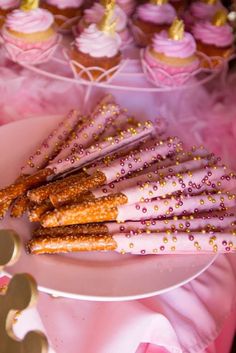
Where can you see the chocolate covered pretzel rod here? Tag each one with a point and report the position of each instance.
(100, 209)
(140, 244)
(154, 209)
(50, 147)
(152, 185)
(134, 160)
(89, 132)
(100, 149)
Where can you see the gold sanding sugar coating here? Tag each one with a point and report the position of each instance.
(22, 185)
(36, 211)
(40, 194)
(20, 206)
(74, 189)
(4, 208)
(71, 243)
(79, 214)
(77, 229)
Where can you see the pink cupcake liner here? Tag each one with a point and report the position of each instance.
(24, 52)
(164, 75)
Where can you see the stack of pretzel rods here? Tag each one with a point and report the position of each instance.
(106, 182)
(76, 141)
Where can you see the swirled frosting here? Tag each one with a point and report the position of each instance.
(158, 14)
(183, 48)
(220, 36)
(36, 20)
(9, 4)
(63, 4)
(203, 11)
(96, 12)
(98, 44)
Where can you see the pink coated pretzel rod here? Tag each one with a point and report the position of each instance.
(175, 206)
(52, 144)
(91, 212)
(208, 179)
(144, 183)
(101, 149)
(140, 244)
(205, 222)
(218, 221)
(139, 159)
(88, 132)
(121, 166)
(182, 162)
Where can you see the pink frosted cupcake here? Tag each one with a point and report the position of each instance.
(150, 18)
(7, 6)
(97, 49)
(29, 35)
(95, 14)
(201, 10)
(215, 38)
(171, 58)
(66, 12)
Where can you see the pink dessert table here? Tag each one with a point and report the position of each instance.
(198, 317)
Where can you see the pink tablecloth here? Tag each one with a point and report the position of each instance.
(197, 317)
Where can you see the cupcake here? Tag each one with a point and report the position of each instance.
(66, 12)
(95, 14)
(97, 49)
(28, 34)
(171, 58)
(215, 38)
(151, 17)
(7, 6)
(201, 10)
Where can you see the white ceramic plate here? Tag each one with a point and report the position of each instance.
(90, 276)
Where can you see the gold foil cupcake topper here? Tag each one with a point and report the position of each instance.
(209, 2)
(220, 18)
(107, 25)
(176, 30)
(158, 2)
(27, 5)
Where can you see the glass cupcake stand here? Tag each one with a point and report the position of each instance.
(133, 76)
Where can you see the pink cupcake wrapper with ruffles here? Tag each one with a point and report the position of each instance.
(31, 53)
(165, 74)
